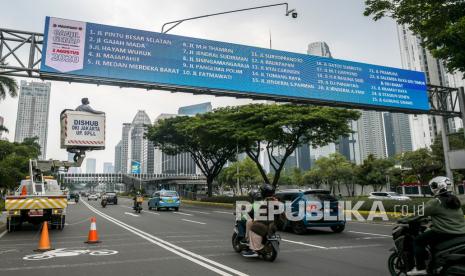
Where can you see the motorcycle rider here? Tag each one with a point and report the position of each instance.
(257, 229)
(135, 199)
(447, 222)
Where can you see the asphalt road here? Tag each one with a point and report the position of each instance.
(194, 241)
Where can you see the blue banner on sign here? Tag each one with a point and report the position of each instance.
(115, 53)
(135, 167)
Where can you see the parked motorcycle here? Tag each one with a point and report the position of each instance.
(446, 258)
(270, 242)
(104, 202)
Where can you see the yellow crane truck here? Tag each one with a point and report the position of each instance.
(39, 198)
(35, 201)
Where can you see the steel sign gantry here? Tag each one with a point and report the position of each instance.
(21, 55)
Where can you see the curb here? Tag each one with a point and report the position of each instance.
(206, 203)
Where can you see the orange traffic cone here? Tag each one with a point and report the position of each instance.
(24, 191)
(44, 242)
(93, 236)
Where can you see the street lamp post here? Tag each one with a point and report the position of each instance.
(175, 23)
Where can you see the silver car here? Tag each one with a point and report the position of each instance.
(387, 196)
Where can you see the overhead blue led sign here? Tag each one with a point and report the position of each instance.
(121, 54)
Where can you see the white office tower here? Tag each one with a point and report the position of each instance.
(125, 148)
(416, 57)
(91, 165)
(371, 135)
(32, 118)
(108, 167)
(319, 48)
(138, 145)
(118, 157)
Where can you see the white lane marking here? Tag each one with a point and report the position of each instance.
(223, 212)
(305, 244)
(150, 212)
(191, 256)
(193, 221)
(355, 246)
(185, 214)
(131, 214)
(373, 234)
(200, 212)
(3, 234)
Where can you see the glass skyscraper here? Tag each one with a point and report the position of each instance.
(32, 115)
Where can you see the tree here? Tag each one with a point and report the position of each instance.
(3, 129)
(440, 24)
(7, 86)
(374, 172)
(14, 162)
(314, 177)
(421, 164)
(248, 175)
(201, 136)
(277, 130)
(333, 171)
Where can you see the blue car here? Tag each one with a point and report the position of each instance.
(300, 227)
(165, 199)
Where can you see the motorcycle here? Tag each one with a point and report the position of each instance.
(104, 202)
(138, 207)
(446, 258)
(76, 199)
(270, 242)
(138, 204)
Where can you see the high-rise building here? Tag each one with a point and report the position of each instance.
(91, 165)
(108, 167)
(319, 48)
(192, 110)
(125, 148)
(32, 118)
(118, 157)
(398, 135)
(140, 146)
(414, 56)
(371, 135)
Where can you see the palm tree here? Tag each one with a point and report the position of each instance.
(3, 129)
(7, 85)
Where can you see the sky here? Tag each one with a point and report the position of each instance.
(340, 23)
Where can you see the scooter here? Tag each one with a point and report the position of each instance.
(446, 258)
(104, 202)
(270, 242)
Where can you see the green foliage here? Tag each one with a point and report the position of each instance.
(421, 164)
(7, 86)
(14, 161)
(249, 175)
(440, 24)
(277, 130)
(373, 172)
(333, 171)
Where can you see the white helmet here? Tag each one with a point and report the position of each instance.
(439, 184)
